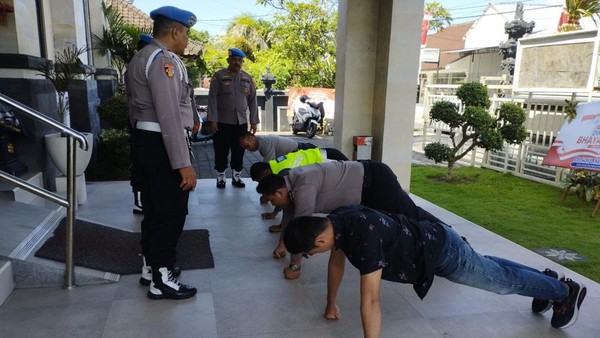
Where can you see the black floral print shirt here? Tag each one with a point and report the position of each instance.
(405, 249)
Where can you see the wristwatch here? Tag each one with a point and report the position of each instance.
(295, 267)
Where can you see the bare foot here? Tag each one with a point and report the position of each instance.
(268, 215)
(275, 228)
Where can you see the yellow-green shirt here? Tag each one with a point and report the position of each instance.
(296, 159)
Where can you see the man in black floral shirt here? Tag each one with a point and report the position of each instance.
(393, 248)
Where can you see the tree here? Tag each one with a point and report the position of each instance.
(280, 4)
(474, 126)
(298, 46)
(306, 35)
(249, 35)
(440, 16)
(119, 38)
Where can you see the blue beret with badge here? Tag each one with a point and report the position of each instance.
(146, 38)
(236, 52)
(185, 18)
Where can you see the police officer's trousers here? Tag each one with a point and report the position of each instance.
(228, 138)
(165, 203)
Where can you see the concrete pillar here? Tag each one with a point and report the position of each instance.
(376, 81)
(68, 25)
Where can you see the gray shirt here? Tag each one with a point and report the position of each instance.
(322, 188)
(229, 96)
(159, 91)
(273, 146)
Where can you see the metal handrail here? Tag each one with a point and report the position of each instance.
(83, 144)
(69, 203)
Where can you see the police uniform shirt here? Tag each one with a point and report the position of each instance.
(323, 187)
(229, 96)
(272, 146)
(160, 92)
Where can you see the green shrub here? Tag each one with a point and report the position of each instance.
(113, 160)
(114, 112)
(473, 94)
(438, 152)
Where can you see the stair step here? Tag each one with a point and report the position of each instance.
(6, 280)
(19, 195)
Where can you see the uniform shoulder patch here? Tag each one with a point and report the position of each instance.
(169, 69)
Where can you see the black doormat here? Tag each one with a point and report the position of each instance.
(107, 249)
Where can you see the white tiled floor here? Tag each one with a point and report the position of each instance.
(245, 295)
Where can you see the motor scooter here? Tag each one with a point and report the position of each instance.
(204, 133)
(307, 117)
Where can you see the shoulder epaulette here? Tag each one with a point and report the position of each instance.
(151, 59)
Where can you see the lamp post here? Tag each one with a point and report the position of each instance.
(268, 79)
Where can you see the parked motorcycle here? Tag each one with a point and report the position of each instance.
(204, 133)
(307, 117)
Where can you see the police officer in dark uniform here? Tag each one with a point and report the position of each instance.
(232, 92)
(161, 111)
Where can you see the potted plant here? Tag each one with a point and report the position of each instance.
(575, 10)
(66, 68)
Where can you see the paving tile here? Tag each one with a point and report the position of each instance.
(245, 295)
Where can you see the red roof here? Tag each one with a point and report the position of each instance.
(451, 38)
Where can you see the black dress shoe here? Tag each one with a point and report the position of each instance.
(238, 183)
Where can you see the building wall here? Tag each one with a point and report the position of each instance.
(375, 94)
(486, 64)
(27, 41)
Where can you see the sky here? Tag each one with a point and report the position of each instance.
(213, 15)
(469, 10)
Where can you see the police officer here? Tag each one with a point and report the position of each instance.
(161, 110)
(232, 92)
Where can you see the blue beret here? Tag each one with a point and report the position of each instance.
(236, 52)
(185, 18)
(146, 38)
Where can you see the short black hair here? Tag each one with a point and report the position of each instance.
(269, 184)
(246, 135)
(163, 26)
(300, 234)
(141, 44)
(258, 169)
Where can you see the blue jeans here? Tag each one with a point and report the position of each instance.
(458, 262)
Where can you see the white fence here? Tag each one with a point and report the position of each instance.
(544, 119)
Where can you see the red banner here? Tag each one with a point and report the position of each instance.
(577, 146)
(425, 28)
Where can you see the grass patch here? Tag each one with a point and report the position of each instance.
(523, 211)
